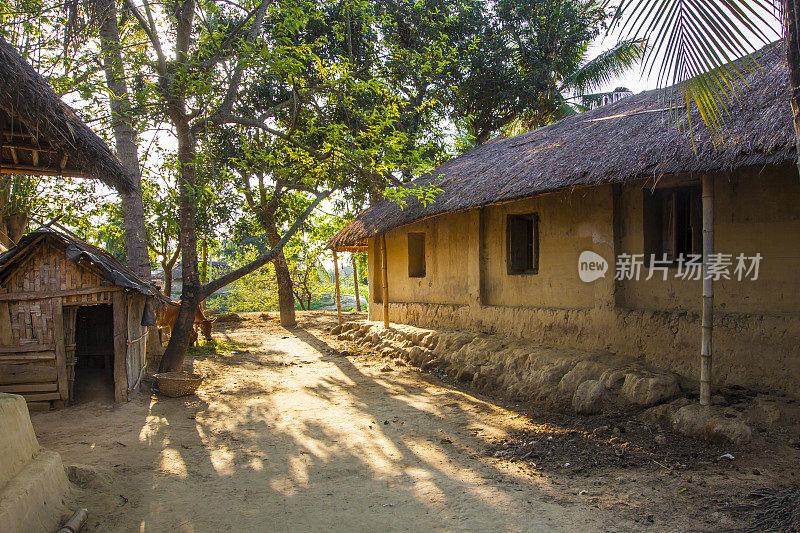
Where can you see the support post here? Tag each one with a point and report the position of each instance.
(384, 279)
(708, 290)
(355, 281)
(60, 346)
(336, 283)
(120, 313)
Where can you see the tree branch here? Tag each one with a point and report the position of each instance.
(151, 34)
(208, 289)
(233, 87)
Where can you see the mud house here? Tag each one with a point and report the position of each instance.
(67, 308)
(630, 184)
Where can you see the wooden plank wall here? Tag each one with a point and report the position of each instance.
(32, 348)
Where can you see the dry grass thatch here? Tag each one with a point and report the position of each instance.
(771, 509)
(635, 137)
(33, 113)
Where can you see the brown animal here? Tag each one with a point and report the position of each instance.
(168, 313)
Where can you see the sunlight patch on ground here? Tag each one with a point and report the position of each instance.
(172, 463)
(152, 425)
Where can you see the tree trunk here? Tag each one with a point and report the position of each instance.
(167, 279)
(168, 265)
(284, 279)
(12, 228)
(205, 269)
(121, 121)
(192, 289)
(791, 14)
(300, 301)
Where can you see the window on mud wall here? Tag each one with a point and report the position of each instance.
(522, 244)
(672, 224)
(416, 255)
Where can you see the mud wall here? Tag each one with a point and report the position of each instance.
(568, 224)
(756, 322)
(445, 252)
(755, 211)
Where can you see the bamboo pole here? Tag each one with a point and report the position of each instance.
(355, 281)
(336, 282)
(384, 271)
(708, 291)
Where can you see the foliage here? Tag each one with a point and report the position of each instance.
(256, 291)
(572, 93)
(692, 43)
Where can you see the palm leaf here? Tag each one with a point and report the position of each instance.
(693, 43)
(607, 66)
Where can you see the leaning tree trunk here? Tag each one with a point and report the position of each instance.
(192, 291)
(284, 279)
(791, 14)
(121, 122)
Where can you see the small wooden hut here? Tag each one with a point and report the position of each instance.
(73, 321)
(67, 309)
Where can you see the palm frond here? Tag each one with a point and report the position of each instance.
(607, 66)
(692, 44)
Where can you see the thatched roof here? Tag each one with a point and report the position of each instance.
(41, 135)
(633, 138)
(113, 270)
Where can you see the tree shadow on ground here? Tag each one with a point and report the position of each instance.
(294, 436)
(345, 450)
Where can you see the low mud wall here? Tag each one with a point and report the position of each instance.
(753, 351)
(572, 379)
(519, 369)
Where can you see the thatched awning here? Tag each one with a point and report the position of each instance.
(41, 135)
(633, 138)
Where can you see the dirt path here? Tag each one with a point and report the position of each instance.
(288, 434)
(292, 436)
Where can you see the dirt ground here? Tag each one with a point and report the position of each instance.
(293, 431)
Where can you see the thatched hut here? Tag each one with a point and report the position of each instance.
(498, 250)
(73, 321)
(41, 135)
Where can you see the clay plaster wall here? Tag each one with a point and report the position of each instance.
(568, 224)
(757, 323)
(755, 211)
(447, 251)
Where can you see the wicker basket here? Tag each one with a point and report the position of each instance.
(177, 384)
